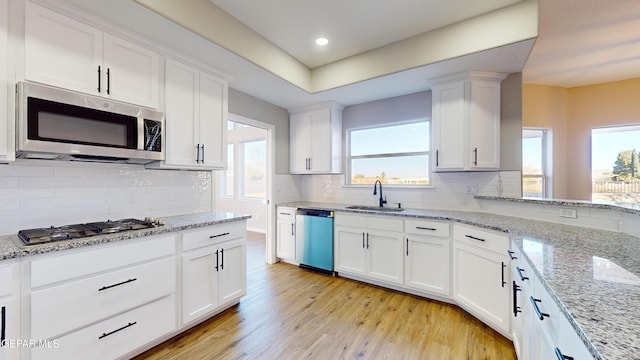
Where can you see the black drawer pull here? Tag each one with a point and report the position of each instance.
(425, 228)
(104, 335)
(215, 236)
(560, 356)
(474, 238)
(3, 330)
(520, 271)
(285, 214)
(511, 255)
(516, 308)
(118, 284)
(539, 313)
(503, 266)
(221, 259)
(217, 260)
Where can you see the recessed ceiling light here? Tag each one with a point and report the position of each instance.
(321, 41)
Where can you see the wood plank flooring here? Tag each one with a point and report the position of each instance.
(291, 313)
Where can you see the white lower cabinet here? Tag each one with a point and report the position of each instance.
(213, 276)
(286, 234)
(427, 257)
(9, 310)
(481, 275)
(370, 246)
(102, 302)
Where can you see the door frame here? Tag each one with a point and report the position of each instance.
(270, 230)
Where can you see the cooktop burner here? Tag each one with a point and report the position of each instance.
(77, 231)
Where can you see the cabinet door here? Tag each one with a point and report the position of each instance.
(484, 125)
(9, 310)
(300, 142)
(131, 72)
(385, 256)
(286, 247)
(481, 284)
(181, 104)
(449, 129)
(321, 151)
(427, 264)
(199, 283)
(212, 132)
(349, 249)
(232, 271)
(61, 51)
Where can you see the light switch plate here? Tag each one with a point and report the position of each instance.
(569, 213)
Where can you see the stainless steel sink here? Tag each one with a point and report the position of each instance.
(374, 208)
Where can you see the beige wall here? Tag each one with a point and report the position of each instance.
(256, 109)
(572, 113)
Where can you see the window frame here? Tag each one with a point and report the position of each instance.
(546, 153)
(348, 157)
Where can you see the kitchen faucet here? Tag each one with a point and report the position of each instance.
(375, 188)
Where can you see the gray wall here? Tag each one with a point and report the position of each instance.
(511, 123)
(256, 109)
(401, 108)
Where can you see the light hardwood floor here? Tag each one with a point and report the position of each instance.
(291, 313)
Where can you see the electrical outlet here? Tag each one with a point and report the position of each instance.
(471, 189)
(569, 213)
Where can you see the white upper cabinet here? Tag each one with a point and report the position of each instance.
(196, 118)
(466, 121)
(316, 140)
(7, 137)
(67, 53)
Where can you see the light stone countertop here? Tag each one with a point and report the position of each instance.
(11, 247)
(593, 275)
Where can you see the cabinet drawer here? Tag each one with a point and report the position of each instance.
(54, 268)
(385, 223)
(213, 235)
(550, 311)
(429, 228)
(114, 337)
(482, 238)
(359, 221)
(287, 214)
(63, 308)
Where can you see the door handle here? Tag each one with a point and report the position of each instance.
(363, 239)
(3, 330)
(516, 308)
(503, 266)
(367, 240)
(221, 259)
(475, 156)
(99, 78)
(197, 153)
(407, 246)
(292, 232)
(108, 81)
(437, 157)
(216, 260)
(202, 147)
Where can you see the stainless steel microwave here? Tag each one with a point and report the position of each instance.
(59, 124)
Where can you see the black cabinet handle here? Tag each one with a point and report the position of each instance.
(539, 313)
(367, 240)
(520, 271)
(292, 229)
(474, 238)
(108, 81)
(104, 335)
(363, 239)
(215, 236)
(425, 228)
(202, 147)
(503, 266)
(198, 154)
(560, 356)
(437, 157)
(511, 255)
(118, 284)
(285, 213)
(99, 78)
(217, 260)
(407, 246)
(516, 308)
(309, 163)
(3, 329)
(221, 259)
(475, 156)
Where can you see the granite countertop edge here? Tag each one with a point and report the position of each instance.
(563, 202)
(11, 246)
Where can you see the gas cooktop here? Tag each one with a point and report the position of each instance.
(77, 231)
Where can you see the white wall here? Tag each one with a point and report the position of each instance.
(35, 193)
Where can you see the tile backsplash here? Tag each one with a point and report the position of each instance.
(36, 193)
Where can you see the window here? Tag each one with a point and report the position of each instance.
(227, 180)
(615, 164)
(535, 163)
(254, 169)
(395, 154)
(246, 174)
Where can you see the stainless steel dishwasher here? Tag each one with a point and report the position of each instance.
(314, 239)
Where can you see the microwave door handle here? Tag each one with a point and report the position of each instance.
(141, 144)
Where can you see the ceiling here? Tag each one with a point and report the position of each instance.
(266, 49)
